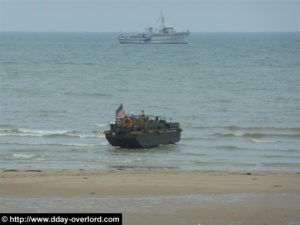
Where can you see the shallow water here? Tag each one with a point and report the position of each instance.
(235, 95)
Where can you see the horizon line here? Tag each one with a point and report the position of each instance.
(15, 31)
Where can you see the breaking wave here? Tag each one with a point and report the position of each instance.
(263, 141)
(253, 135)
(25, 156)
(20, 132)
(55, 144)
(257, 135)
(102, 125)
(236, 128)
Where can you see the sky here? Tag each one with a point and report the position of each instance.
(136, 15)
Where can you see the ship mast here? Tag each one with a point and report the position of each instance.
(162, 20)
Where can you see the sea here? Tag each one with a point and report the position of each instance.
(235, 95)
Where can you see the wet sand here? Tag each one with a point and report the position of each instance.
(157, 196)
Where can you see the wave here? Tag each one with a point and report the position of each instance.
(76, 63)
(190, 138)
(257, 135)
(234, 128)
(25, 156)
(102, 125)
(248, 164)
(295, 129)
(231, 147)
(281, 156)
(281, 164)
(264, 141)
(292, 150)
(96, 95)
(9, 62)
(224, 163)
(6, 126)
(48, 133)
(254, 135)
(252, 149)
(54, 144)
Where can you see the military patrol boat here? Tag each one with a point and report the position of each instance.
(142, 131)
(165, 35)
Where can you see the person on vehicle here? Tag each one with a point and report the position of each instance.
(142, 113)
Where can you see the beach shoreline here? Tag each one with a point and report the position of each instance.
(56, 182)
(158, 196)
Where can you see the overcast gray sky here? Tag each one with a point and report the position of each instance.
(135, 15)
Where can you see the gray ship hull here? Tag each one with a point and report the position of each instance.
(178, 38)
(144, 140)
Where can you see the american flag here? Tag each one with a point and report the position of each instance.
(119, 113)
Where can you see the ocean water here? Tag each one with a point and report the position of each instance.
(236, 96)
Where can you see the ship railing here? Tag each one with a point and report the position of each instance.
(159, 118)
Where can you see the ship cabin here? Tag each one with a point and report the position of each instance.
(143, 123)
(168, 30)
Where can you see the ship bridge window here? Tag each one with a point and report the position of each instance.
(169, 30)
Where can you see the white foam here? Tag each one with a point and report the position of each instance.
(238, 134)
(26, 156)
(263, 141)
(55, 143)
(45, 132)
(102, 125)
(20, 132)
(91, 136)
(35, 133)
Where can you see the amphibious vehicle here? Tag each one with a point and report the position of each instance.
(142, 132)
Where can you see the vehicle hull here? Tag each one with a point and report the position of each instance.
(144, 140)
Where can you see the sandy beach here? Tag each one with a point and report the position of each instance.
(157, 196)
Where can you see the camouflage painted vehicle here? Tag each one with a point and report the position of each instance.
(143, 132)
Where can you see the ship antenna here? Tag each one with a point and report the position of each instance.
(162, 19)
